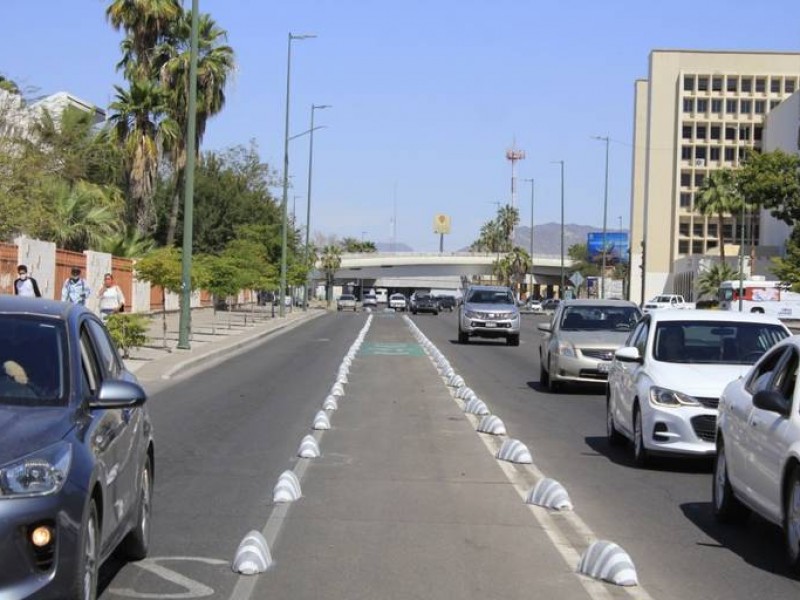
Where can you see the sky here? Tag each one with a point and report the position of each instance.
(426, 96)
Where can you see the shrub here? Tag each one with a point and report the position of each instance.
(127, 330)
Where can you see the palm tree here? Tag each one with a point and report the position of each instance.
(82, 214)
(507, 221)
(719, 195)
(9, 86)
(519, 261)
(215, 63)
(708, 283)
(137, 125)
(330, 262)
(126, 242)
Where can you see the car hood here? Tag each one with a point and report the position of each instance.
(27, 429)
(595, 339)
(699, 380)
(492, 308)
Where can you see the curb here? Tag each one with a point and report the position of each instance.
(218, 353)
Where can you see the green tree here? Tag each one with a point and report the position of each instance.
(330, 262)
(9, 86)
(162, 267)
(507, 221)
(719, 195)
(772, 180)
(352, 245)
(126, 242)
(709, 281)
(787, 268)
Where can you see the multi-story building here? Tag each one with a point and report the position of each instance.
(18, 117)
(696, 112)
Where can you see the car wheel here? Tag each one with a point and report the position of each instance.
(553, 386)
(89, 557)
(640, 455)
(791, 519)
(726, 506)
(513, 340)
(137, 544)
(543, 376)
(436, 313)
(615, 438)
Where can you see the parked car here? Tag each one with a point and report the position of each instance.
(550, 305)
(76, 453)
(346, 302)
(423, 302)
(665, 384)
(578, 344)
(489, 311)
(447, 302)
(397, 302)
(370, 301)
(758, 446)
(667, 301)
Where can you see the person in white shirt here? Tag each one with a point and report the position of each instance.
(25, 285)
(111, 297)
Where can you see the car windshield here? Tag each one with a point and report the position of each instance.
(491, 297)
(714, 342)
(32, 361)
(599, 318)
(346, 297)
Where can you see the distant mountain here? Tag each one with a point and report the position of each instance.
(547, 237)
(393, 247)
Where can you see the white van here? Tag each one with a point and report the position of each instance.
(382, 294)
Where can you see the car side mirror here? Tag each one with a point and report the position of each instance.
(119, 394)
(772, 401)
(546, 327)
(629, 354)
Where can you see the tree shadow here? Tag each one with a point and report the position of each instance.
(623, 456)
(482, 342)
(573, 389)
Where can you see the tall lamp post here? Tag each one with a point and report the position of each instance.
(284, 203)
(605, 219)
(563, 280)
(530, 289)
(308, 203)
(188, 191)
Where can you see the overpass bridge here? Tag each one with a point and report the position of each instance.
(406, 271)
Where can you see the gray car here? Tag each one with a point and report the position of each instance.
(491, 312)
(76, 454)
(578, 344)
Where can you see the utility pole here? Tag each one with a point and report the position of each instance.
(563, 279)
(307, 253)
(605, 221)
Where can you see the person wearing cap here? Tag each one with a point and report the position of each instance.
(75, 289)
(25, 285)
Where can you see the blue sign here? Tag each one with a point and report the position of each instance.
(617, 246)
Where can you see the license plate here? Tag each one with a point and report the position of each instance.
(603, 367)
(490, 324)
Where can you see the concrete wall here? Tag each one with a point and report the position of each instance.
(97, 265)
(40, 258)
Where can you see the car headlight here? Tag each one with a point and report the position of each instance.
(566, 349)
(38, 474)
(670, 398)
(471, 314)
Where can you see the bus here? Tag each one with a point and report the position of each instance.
(760, 296)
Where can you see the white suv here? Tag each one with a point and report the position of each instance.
(397, 302)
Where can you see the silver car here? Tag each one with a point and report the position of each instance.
(579, 343)
(489, 311)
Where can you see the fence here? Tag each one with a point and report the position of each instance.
(65, 262)
(8, 268)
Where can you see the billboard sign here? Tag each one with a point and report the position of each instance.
(617, 247)
(441, 224)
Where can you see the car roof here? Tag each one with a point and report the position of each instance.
(491, 288)
(668, 314)
(593, 302)
(38, 306)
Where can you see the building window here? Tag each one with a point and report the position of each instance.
(789, 86)
(747, 85)
(711, 244)
(702, 105)
(700, 152)
(742, 153)
(757, 132)
(697, 247)
(683, 247)
(716, 84)
(686, 179)
(712, 230)
(688, 83)
(716, 106)
(729, 154)
(686, 202)
(731, 84)
(761, 107)
(687, 132)
(715, 132)
(730, 133)
(775, 85)
(683, 229)
(773, 104)
(686, 153)
(688, 105)
(727, 232)
(761, 84)
(746, 107)
(702, 84)
(699, 178)
(700, 132)
(697, 230)
(714, 153)
(730, 107)
(744, 132)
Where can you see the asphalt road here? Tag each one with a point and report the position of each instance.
(661, 515)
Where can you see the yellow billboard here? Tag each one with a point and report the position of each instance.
(441, 224)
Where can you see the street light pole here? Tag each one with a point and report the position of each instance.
(530, 289)
(284, 204)
(605, 219)
(188, 191)
(308, 203)
(563, 280)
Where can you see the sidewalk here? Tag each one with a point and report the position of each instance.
(212, 338)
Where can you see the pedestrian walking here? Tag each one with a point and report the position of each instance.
(75, 289)
(24, 285)
(112, 300)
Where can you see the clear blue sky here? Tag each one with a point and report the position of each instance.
(426, 95)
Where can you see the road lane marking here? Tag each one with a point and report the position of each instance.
(194, 589)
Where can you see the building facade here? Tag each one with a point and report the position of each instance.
(696, 112)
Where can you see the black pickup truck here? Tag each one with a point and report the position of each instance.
(424, 303)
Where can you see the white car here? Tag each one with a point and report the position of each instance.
(370, 301)
(397, 302)
(758, 446)
(664, 385)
